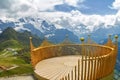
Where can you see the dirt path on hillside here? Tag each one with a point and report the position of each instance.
(29, 77)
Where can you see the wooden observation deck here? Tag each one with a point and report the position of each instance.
(68, 61)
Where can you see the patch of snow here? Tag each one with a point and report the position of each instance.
(58, 26)
(49, 35)
(0, 31)
(21, 28)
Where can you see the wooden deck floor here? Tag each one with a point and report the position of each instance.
(57, 68)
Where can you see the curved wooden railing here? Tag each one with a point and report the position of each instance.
(97, 61)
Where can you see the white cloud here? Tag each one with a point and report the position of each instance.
(73, 2)
(46, 4)
(20, 8)
(116, 4)
(78, 22)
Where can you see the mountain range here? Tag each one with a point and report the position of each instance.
(39, 27)
(45, 28)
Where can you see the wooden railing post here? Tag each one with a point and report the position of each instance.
(72, 75)
(78, 69)
(82, 50)
(75, 73)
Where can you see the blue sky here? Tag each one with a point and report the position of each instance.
(101, 7)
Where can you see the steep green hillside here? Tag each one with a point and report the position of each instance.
(22, 38)
(10, 44)
(8, 34)
(15, 52)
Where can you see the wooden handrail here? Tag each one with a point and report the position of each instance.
(93, 64)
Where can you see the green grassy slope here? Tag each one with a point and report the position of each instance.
(10, 44)
(15, 52)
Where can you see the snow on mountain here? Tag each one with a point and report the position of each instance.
(1, 21)
(0, 31)
(39, 27)
(49, 35)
